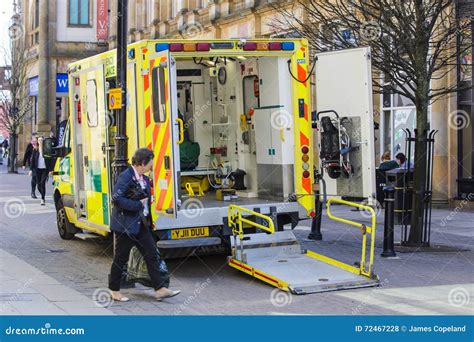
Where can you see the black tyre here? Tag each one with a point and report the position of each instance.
(334, 171)
(63, 222)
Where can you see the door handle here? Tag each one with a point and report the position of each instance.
(181, 130)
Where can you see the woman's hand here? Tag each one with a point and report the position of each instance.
(30, 173)
(144, 201)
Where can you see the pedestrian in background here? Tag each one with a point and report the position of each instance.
(27, 162)
(131, 225)
(387, 163)
(41, 165)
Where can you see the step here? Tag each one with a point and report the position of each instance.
(87, 236)
(195, 242)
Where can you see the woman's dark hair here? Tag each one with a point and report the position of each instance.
(142, 156)
(400, 156)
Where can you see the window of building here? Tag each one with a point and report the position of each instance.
(158, 93)
(398, 113)
(79, 12)
(36, 18)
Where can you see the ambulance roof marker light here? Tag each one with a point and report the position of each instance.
(250, 46)
(287, 46)
(203, 47)
(161, 47)
(176, 47)
(274, 46)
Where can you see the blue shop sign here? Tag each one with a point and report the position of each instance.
(61, 83)
(33, 86)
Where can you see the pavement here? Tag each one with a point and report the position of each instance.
(42, 274)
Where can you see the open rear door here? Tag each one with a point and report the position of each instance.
(344, 85)
(164, 129)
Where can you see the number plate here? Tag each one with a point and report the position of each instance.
(189, 233)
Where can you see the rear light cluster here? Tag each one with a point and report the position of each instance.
(305, 159)
(202, 46)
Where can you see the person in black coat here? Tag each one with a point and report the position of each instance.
(41, 166)
(27, 161)
(131, 225)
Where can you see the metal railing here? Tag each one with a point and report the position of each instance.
(237, 221)
(365, 267)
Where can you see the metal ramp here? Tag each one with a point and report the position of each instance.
(278, 259)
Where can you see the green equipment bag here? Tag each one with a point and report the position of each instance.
(137, 272)
(189, 155)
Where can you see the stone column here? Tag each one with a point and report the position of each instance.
(112, 24)
(43, 52)
(439, 116)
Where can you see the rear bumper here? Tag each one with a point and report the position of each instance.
(218, 216)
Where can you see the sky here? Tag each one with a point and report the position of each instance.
(6, 11)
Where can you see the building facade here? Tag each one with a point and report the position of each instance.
(56, 33)
(60, 31)
(205, 19)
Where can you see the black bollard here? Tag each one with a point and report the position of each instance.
(316, 221)
(388, 229)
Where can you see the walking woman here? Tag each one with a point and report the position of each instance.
(27, 161)
(40, 166)
(131, 225)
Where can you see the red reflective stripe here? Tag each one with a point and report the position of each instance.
(266, 277)
(241, 265)
(307, 185)
(303, 139)
(301, 74)
(161, 154)
(147, 116)
(306, 111)
(146, 82)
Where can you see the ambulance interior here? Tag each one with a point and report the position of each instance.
(238, 129)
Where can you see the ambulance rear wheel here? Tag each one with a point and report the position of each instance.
(63, 222)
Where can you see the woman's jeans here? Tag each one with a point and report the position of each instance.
(41, 178)
(146, 245)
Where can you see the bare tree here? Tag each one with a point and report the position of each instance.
(414, 44)
(15, 107)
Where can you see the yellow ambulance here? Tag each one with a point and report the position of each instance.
(229, 122)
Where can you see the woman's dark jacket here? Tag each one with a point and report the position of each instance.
(49, 163)
(127, 210)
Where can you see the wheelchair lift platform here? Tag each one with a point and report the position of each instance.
(278, 259)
